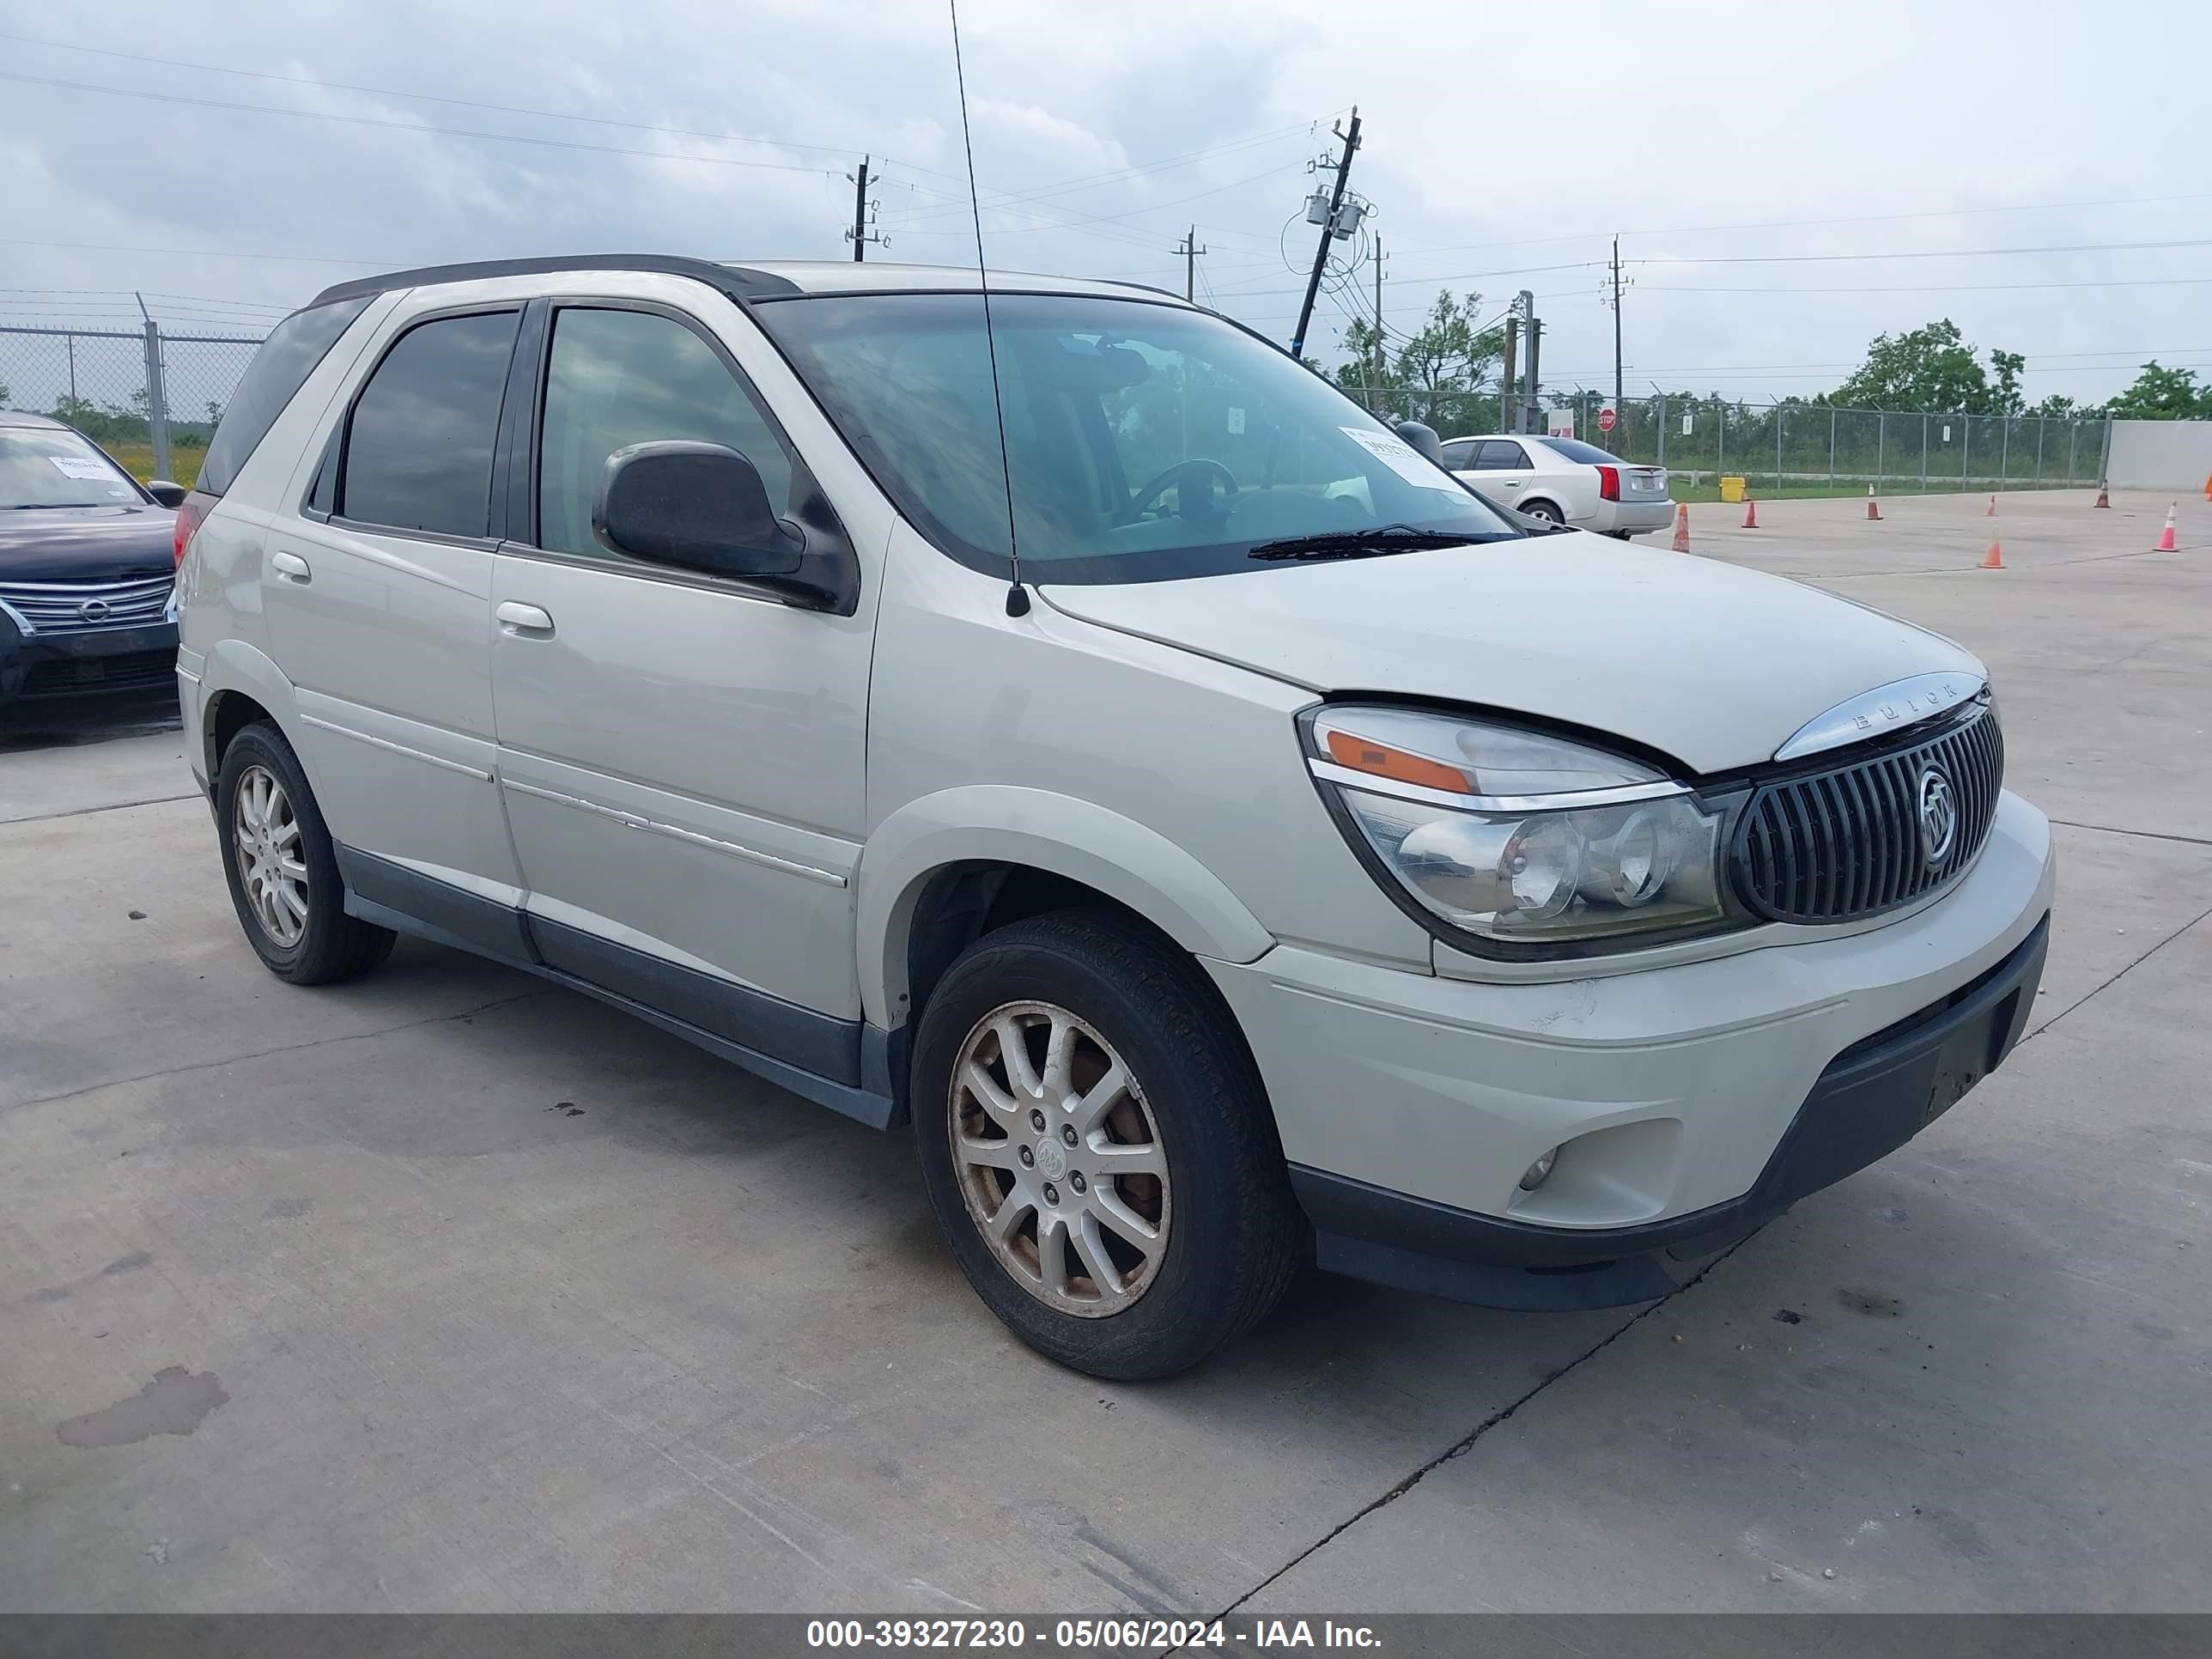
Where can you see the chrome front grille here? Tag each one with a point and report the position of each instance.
(86, 607)
(1866, 837)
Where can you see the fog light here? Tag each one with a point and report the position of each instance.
(1538, 1170)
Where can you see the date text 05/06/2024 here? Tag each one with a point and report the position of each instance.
(1110, 1635)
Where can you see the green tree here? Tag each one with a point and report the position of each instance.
(2164, 394)
(2005, 397)
(1929, 367)
(1438, 368)
(110, 425)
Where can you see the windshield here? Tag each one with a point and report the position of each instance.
(53, 466)
(1145, 441)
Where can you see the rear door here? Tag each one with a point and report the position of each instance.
(1504, 470)
(682, 755)
(377, 592)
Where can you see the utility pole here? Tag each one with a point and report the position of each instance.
(1616, 328)
(1381, 346)
(859, 235)
(1508, 408)
(1351, 142)
(1190, 250)
(1536, 380)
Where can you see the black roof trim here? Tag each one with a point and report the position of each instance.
(738, 282)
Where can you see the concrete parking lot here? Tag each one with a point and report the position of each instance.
(450, 1290)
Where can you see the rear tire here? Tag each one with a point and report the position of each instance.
(1098, 1149)
(1543, 510)
(282, 873)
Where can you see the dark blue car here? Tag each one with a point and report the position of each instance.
(87, 565)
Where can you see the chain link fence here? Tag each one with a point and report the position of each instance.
(150, 397)
(1792, 447)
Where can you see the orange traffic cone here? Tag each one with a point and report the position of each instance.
(1874, 512)
(2104, 495)
(2166, 542)
(1750, 513)
(1682, 527)
(1992, 512)
(1994, 559)
(2208, 486)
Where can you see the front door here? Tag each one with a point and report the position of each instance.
(682, 755)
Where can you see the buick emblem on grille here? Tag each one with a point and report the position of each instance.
(1939, 815)
(95, 611)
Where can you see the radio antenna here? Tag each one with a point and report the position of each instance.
(1018, 597)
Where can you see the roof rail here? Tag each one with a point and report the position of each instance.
(740, 283)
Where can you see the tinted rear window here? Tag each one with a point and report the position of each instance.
(278, 370)
(418, 449)
(1574, 450)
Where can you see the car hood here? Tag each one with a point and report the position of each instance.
(1713, 665)
(85, 543)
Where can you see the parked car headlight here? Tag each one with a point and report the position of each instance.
(1520, 839)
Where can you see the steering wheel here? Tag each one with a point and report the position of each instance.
(1196, 476)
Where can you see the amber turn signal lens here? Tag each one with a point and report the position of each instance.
(1380, 759)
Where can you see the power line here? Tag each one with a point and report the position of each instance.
(1085, 181)
(204, 252)
(1115, 218)
(437, 98)
(1918, 253)
(1933, 288)
(1849, 219)
(420, 128)
(1460, 276)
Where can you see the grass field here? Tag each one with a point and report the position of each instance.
(138, 461)
(1682, 490)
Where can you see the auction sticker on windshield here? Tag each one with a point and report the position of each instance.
(1401, 458)
(72, 467)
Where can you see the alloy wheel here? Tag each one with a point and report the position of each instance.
(1059, 1159)
(265, 831)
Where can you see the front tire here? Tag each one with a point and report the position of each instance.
(1098, 1149)
(283, 874)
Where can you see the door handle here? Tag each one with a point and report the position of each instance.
(524, 621)
(292, 567)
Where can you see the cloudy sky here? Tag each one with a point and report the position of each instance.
(1786, 182)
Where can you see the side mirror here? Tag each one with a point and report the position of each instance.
(1422, 439)
(699, 506)
(169, 495)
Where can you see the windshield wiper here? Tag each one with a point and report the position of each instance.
(1360, 544)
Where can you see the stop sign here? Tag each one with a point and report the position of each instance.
(1607, 419)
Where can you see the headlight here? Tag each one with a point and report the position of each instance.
(1521, 839)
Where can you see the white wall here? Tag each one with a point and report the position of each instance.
(2160, 454)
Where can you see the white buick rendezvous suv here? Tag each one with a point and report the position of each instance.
(1057, 721)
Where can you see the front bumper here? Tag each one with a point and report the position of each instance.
(40, 667)
(1870, 1100)
(1409, 1103)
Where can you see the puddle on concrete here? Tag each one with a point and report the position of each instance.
(175, 1402)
